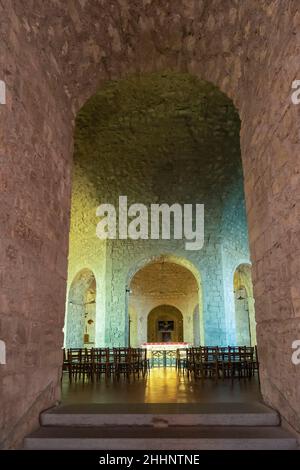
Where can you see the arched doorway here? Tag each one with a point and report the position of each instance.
(165, 285)
(244, 306)
(81, 311)
(101, 51)
(164, 325)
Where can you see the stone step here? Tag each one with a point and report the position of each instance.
(170, 438)
(180, 414)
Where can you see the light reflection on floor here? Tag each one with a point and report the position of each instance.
(162, 385)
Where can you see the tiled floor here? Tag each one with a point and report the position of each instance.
(162, 385)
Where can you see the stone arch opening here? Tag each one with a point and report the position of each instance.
(213, 43)
(244, 305)
(164, 281)
(254, 152)
(155, 131)
(165, 325)
(81, 311)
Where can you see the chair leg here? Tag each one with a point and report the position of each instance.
(70, 373)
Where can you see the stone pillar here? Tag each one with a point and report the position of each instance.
(35, 158)
(117, 315)
(100, 314)
(214, 311)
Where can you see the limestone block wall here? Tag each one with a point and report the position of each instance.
(216, 327)
(86, 251)
(51, 68)
(35, 167)
(235, 249)
(212, 308)
(175, 153)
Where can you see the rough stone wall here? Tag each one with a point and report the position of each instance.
(35, 169)
(235, 249)
(86, 251)
(53, 56)
(270, 149)
(161, 138)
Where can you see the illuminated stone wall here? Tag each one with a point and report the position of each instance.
(161, 138)
(250, 50)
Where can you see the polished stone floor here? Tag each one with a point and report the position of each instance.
(162, 385)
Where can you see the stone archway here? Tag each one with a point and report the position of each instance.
(164, 280)
(217, 41)
(244, 306)
(81, 311)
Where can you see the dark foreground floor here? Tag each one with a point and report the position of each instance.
(162, 385)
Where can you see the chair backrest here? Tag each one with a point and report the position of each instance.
(181, 353)
(100, 355)
(121, 354)
(75, 355)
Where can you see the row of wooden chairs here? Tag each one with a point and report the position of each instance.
(218, 362)
(91, 364)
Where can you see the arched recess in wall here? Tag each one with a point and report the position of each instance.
(190, 153)
(81, 311)
(244, 306)
(164, 280)
(211, 63)
(164, 325)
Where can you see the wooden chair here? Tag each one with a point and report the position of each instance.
(253, 364)
(231, 363)
(122, 362)
(144, 361)
(101, 362)
(80, 365)
(181, 359)
(191, 354)
(205, 363)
